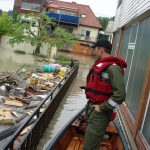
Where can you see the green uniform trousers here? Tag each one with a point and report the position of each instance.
(96, 127)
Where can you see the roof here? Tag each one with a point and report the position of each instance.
(89, 20)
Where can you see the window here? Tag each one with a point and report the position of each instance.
(30, 6)
(36, 7)
(85, 33)
(25, 6)
(68, 29)
(67, 13)
(47, 9)
(52, 11)
(83, 15)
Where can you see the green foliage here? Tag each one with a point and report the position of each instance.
(104, 21)
(40, 34)
(18, 51)
(61, 38)
(63, 60)
(61, 57)
(5, 24)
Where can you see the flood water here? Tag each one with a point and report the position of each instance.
(74, 99)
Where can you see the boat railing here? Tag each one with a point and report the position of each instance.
(31, 139)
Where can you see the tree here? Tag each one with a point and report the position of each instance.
(5, 24)
(104, 21)
(37, 29)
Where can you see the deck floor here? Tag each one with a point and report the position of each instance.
(76, 144)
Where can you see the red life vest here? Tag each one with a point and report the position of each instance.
(98, 90)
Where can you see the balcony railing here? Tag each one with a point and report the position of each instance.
(61, 18)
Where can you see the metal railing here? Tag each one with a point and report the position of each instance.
(31, 139)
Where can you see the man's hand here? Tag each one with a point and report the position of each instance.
(96, 107)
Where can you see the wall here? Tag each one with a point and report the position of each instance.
(93, 32)
(83, 48)
(128, 10)
(135, 49)
(23, 46)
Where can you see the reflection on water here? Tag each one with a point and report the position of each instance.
(74, 99)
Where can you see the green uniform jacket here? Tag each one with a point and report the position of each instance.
(116, 79)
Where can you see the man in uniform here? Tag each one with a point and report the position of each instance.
(105, 91)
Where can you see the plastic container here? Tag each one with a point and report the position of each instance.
(62, 73)
(49, 68)
(57, 66)
(33, 81)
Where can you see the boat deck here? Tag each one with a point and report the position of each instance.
(106, 144)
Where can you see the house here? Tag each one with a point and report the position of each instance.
(76, 18)
(109, 30)
(25, 6)
(132, 42)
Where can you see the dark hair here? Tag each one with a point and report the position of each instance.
(107, 50)
(105, 44)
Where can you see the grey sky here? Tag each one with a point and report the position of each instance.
(99, 7)
(6, 5)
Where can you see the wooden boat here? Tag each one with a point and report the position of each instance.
(71, 138)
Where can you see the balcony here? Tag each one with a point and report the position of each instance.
(66, 19)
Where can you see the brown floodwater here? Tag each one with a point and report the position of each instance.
(73, 101)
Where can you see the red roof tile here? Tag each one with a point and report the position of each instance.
(89, 20)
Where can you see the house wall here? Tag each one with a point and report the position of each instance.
(18, 3)
(81, 47)
(93, 32)
(135, 49)
(28, 48)
(128, 10)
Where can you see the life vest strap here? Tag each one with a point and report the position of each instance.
(97, 92)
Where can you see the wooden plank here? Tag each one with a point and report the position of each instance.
(111, 128)
(75, 144)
